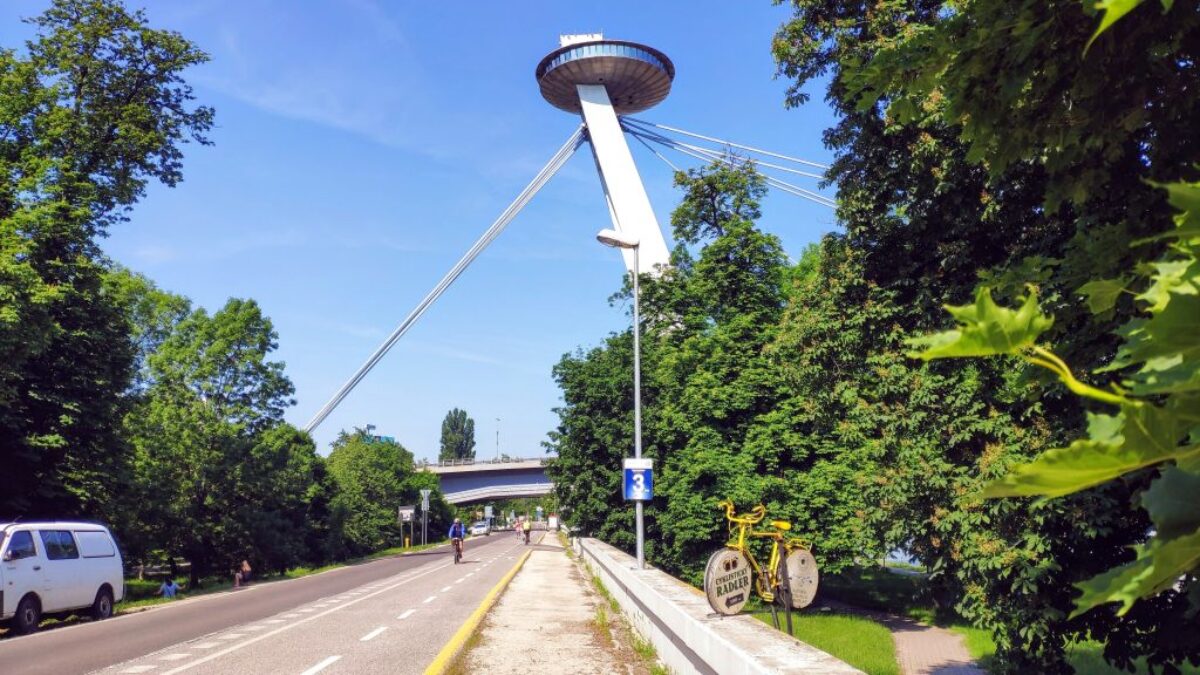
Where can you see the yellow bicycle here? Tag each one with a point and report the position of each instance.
(789, 578)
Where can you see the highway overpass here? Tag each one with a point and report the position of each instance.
(470, 481)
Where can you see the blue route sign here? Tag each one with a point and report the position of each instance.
(639, 480)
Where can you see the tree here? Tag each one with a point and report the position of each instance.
(458, 436)
(980, 139)
(373, 478)
(92, 111)
(205, 434)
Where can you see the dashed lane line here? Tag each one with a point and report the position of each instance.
(175, 657)
(138, 669)
(429, 599)
(205, 645)
(321, 666)
(407, 613)
(445, 589)
(229, 650)
(373, 634)
(232, 636)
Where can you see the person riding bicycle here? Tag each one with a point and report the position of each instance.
(458, 532)
(526, 527)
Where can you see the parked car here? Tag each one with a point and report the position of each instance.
(480, 527)
(57, 568)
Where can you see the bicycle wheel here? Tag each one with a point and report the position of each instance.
(728, 579)
(802, 577)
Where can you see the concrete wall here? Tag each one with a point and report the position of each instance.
(688, 635)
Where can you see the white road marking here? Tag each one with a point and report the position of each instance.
(232, 636)
(373, 634)
(253, 628)
(406, 614)
(291, 616)
(321, 666)
(280, 629)
(430, 599)
(274, 621)
(445, 589)
(175, 657)
(306, 610)
(138, 669)
(459, 581)
(205, 645)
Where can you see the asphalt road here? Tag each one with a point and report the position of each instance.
(389, 615)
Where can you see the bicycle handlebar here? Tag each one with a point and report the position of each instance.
(756, 514)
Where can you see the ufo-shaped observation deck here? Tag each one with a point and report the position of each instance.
(637, 77)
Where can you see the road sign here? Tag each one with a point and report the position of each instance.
(639, 480)
(487, 512)
(406, 513)
(425, 499)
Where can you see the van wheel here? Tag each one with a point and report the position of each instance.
(102, 608)
(28, 616)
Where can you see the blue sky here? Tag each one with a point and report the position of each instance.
(363, 145)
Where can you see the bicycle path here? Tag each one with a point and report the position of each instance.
(544, 623)
(921, 649)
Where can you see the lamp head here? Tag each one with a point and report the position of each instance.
(617, 239)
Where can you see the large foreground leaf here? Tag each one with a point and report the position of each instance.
(1148, 435)
(1158, 566)
(986, 329)
(1173, 502)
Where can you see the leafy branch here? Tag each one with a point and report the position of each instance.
(1158, 419)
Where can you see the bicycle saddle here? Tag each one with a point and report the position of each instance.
(781, 525)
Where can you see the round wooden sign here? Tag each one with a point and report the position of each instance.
(728, 580)
(802, 577)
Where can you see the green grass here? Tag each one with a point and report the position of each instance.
(875, 588)
(861, 642)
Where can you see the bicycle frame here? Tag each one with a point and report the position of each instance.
(765, 581)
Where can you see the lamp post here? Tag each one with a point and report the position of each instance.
(619, 240)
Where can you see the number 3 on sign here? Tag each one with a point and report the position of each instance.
(639, 479)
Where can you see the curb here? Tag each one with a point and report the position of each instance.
(441, 662)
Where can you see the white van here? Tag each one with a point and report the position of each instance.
(57, 567)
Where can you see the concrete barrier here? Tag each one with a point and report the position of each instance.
(688, 635)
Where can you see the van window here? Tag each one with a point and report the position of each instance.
(60, 545)
(94, 544)
(20, 545)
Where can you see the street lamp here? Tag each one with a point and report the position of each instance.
(626, 241)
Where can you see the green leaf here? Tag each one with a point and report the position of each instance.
(1148, 436)
(1158, 566)
(1173, 502)
(986, 329)
(1113, 11)
(1102, 294)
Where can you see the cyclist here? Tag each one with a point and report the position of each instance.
(457, 533)
(527, 526)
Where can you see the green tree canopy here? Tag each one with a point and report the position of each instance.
(458, 436)
(91, 110)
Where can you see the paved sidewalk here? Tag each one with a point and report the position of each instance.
(921, 649)
(544, 622)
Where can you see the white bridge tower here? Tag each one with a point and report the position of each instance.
(601, 79)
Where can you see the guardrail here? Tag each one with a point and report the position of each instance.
(688, 636)
(470, 462)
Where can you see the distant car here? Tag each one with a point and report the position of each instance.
(55, 568)
(480, 528)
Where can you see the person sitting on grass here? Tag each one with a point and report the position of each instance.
(168, 589)
(241, 576)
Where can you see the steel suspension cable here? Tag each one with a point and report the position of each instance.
(556, 162)
(706, 155)
(748, 148)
